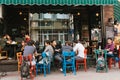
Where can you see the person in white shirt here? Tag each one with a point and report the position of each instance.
(79, 49)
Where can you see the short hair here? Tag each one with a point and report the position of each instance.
(75, 41)
(47, 41)
(109, 38)
(52, 41)
(58, 42)
(31, 42)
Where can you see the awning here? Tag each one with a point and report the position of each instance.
(59, 2)
(117, 12)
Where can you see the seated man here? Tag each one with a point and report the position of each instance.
(79, 49)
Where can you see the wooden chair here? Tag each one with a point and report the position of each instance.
(44, 66)
(68, 63)
(3, 54)
(19, 59)
(119, 58)
(82, 61)
(111, 60)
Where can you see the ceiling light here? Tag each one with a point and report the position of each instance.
(97, 14)
(20, 13)
(25, 19)
(78, 13)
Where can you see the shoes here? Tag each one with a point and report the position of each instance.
(66, 70)
(61, 69)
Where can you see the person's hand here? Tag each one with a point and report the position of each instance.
(8, 42)
(37, 54)
(107, 49)
(57, 50)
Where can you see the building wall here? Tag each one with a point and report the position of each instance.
(108, 12)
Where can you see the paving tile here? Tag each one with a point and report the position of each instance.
(91, 74)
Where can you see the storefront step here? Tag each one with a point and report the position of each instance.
(8, 65)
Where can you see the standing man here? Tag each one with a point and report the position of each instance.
(79, 49)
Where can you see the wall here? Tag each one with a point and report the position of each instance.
(108, 12)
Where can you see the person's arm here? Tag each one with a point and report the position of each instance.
(62, 48)
(35, 52)
(111, 47)
(46, 49)
(106, 47)
(71, 48)
(75, 49)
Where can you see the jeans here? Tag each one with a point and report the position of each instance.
(110, 55)
(58, 57)
(78, 58)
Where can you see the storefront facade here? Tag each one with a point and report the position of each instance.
(66, 19)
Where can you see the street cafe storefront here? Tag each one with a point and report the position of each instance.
(65, 19)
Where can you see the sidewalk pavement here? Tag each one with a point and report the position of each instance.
(113, 74)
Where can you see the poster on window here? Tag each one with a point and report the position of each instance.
(96, 34)
(109, 32)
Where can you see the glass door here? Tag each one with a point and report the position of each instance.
(62, 38)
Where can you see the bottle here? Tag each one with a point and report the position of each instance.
(99, 47)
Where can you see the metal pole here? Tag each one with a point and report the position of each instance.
(103, 34)
(29, 24)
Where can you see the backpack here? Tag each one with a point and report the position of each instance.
(25, 69)
(100, 64)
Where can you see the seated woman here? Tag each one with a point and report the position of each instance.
(110, 47)
(21, 47)
(8, 46)
(49, 48)
(112, 52)
(49, 51)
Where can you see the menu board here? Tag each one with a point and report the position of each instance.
(96, 34)
(109, 32)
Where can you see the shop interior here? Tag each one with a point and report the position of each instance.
(85, 23)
